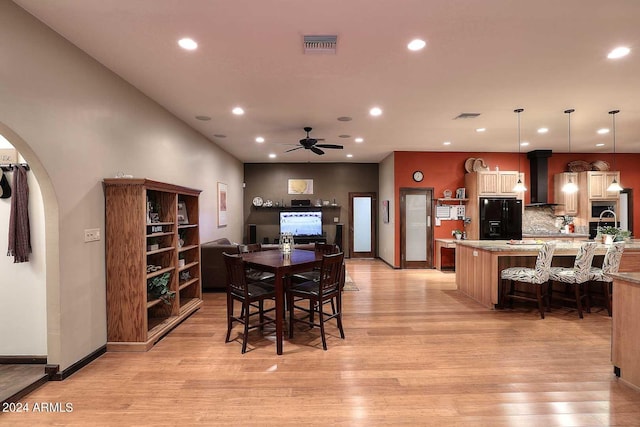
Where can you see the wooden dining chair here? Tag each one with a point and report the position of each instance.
(610, 264)
(328, 287)
(576, 277)
(537, 277)
(251, 296)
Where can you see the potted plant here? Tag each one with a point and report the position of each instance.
(609, 233)
(158, 288)
(457, 234)
(623, 235)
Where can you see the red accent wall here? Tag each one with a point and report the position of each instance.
(445, 170)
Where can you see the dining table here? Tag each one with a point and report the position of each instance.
(282, 265)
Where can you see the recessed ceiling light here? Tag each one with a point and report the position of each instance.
(344, 119)
(600, 144)
(446, 143)
(349, 155)
(259, 139)
(375, 111)
(481, 129)
(219, 135)
(203, 118)
(188, 44)
(416, 44)
(272, 156)
(524, 143)
(359, 140)
(238, 111)
(619, 52)
(543, 130)
(603, 131)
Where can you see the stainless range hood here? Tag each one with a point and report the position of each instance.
(539, 169)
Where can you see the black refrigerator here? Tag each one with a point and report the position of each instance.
(500, 219)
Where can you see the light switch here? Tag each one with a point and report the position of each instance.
(91, 235)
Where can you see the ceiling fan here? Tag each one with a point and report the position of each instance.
(309, 143)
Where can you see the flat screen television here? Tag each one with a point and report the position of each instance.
(301, 223)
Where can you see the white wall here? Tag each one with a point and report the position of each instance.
(23, 315)
(386, 232)
(76, 123)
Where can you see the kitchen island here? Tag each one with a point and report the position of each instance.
(479, 262)
(625, 335)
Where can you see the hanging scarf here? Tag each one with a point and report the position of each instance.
(19, 235)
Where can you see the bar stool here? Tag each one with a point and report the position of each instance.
(537, 277)
(611, 264)
(577, 275)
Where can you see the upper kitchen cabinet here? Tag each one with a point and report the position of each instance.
(493, 183)
(567, 202)
(597, 182)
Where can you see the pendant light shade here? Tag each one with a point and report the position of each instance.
(570, 187)
(519, 187)
(614, 186)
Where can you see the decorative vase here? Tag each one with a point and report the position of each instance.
(608, 239)
(458, 236)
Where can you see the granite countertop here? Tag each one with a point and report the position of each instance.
(633, 277)
(562, 247)
(554, 236)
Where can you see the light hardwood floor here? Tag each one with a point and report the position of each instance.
(416, 353)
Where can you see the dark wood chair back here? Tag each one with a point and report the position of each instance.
(331, 271)
(236, 275)
(326, 248)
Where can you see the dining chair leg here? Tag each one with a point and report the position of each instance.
(339, 317)
(245, 335)
(606, 290)
(578, 299)
(539, 297)
(547, 295)
(229, 317)
(587, 297)
(321, 322)
(290, 305)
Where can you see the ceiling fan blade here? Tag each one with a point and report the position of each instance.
(339, 147)
(293, 149)
(317, 150)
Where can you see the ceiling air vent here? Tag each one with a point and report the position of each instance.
(466, 116)
(320, 44)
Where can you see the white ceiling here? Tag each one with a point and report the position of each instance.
(484, 56)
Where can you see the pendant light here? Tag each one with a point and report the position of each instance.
(614, 186)
(570, 186)
(519, 187)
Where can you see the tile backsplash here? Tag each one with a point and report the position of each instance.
(542, 219)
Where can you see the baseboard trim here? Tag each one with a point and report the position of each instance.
(54, 373)
(23, 360)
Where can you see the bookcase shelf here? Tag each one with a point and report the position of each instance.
(134, 321)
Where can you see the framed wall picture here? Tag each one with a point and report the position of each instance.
(182, 213)
(300, 186)
(222, 204)
(385, 211)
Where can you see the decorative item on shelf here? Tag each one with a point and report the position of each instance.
(600, 165)
(326, 203)
(457, 234)
(181, 237)
(579, 166)
(285, 243)
(479, 165)
(334, 202)
(318, 202)
(519, 187)
(153, 244)
(447, 194)
(570, 186)
(181, 260)
(614, 186)
(151, 268)
(182, 213)
(460, 193)
(156, 229)
(185, 275)
(257, 201)
(268, 204)
(158, 288)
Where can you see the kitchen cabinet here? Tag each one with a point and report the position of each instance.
(597, 183)
(496, 183)
(568, 202)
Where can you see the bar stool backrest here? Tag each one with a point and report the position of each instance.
(543, 262)
(583, 261)
(612, 258)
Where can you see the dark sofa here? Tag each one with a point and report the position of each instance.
(213, 269)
